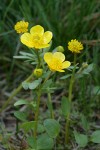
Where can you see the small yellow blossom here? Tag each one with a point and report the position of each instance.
(56, 61)
(37, 38)
(21, 27)
(75, 46)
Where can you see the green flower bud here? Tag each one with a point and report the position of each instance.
(60, 49)
(38, 72)
(84, 65)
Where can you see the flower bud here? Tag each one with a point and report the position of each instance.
(38, 72)
(60, 49)
(84, 65)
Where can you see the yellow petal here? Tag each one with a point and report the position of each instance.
(59, 55)
(66, 64)
(46, 38)
(48, 57)
(37, 30)
(27, 40)
(40, 46)
(61, 70)
(45, 45)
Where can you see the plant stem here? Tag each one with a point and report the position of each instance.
(39, 60)
(15, 93)
(37, 107)
(70, 99)
(49, 103)
(37, 113)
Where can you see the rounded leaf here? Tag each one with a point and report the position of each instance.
(81, 139)
(52, 127)
(44, 142)
(20, 115)
(96, 136)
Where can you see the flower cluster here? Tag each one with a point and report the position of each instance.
(75, 46)
(39, 39)
(21, 27)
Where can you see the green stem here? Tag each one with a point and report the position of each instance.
(39, 61)
(37, 107)
(17, 126)
(46, 78)
(70, 99)
(49, 103)
(37, 114)
(15, 93)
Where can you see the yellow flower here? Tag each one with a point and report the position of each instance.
(37, 38)
(21, 27)
(75, 46)
(56, 61)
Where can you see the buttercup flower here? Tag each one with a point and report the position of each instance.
(21, 27)
(56, 61)
(75, 46)
(37, 38)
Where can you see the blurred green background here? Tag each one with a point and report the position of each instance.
(67, 19)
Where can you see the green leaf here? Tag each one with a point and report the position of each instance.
(20, 115)
(47, 84)
(95, 137)
(44, 142)
(65, 77)
(85, 71)
(21, 102)
(25, 85)
(33, 104)
(52, 127)
(40, 128)
(65, 106)
(34, 84)
(88, 69)
(26, 54)
(81, 139)
(32, 142)
(21, 57)
(85, 123)
(27, 126)
(96, 90)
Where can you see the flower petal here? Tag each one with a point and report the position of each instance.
(60, 70)
(37, 30)
(48, 57)
(40, 46)
(66, 64)
(27, 40)
(46, 38)
(59, 55)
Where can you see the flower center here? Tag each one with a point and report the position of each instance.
(36, 37)
(55, 64)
